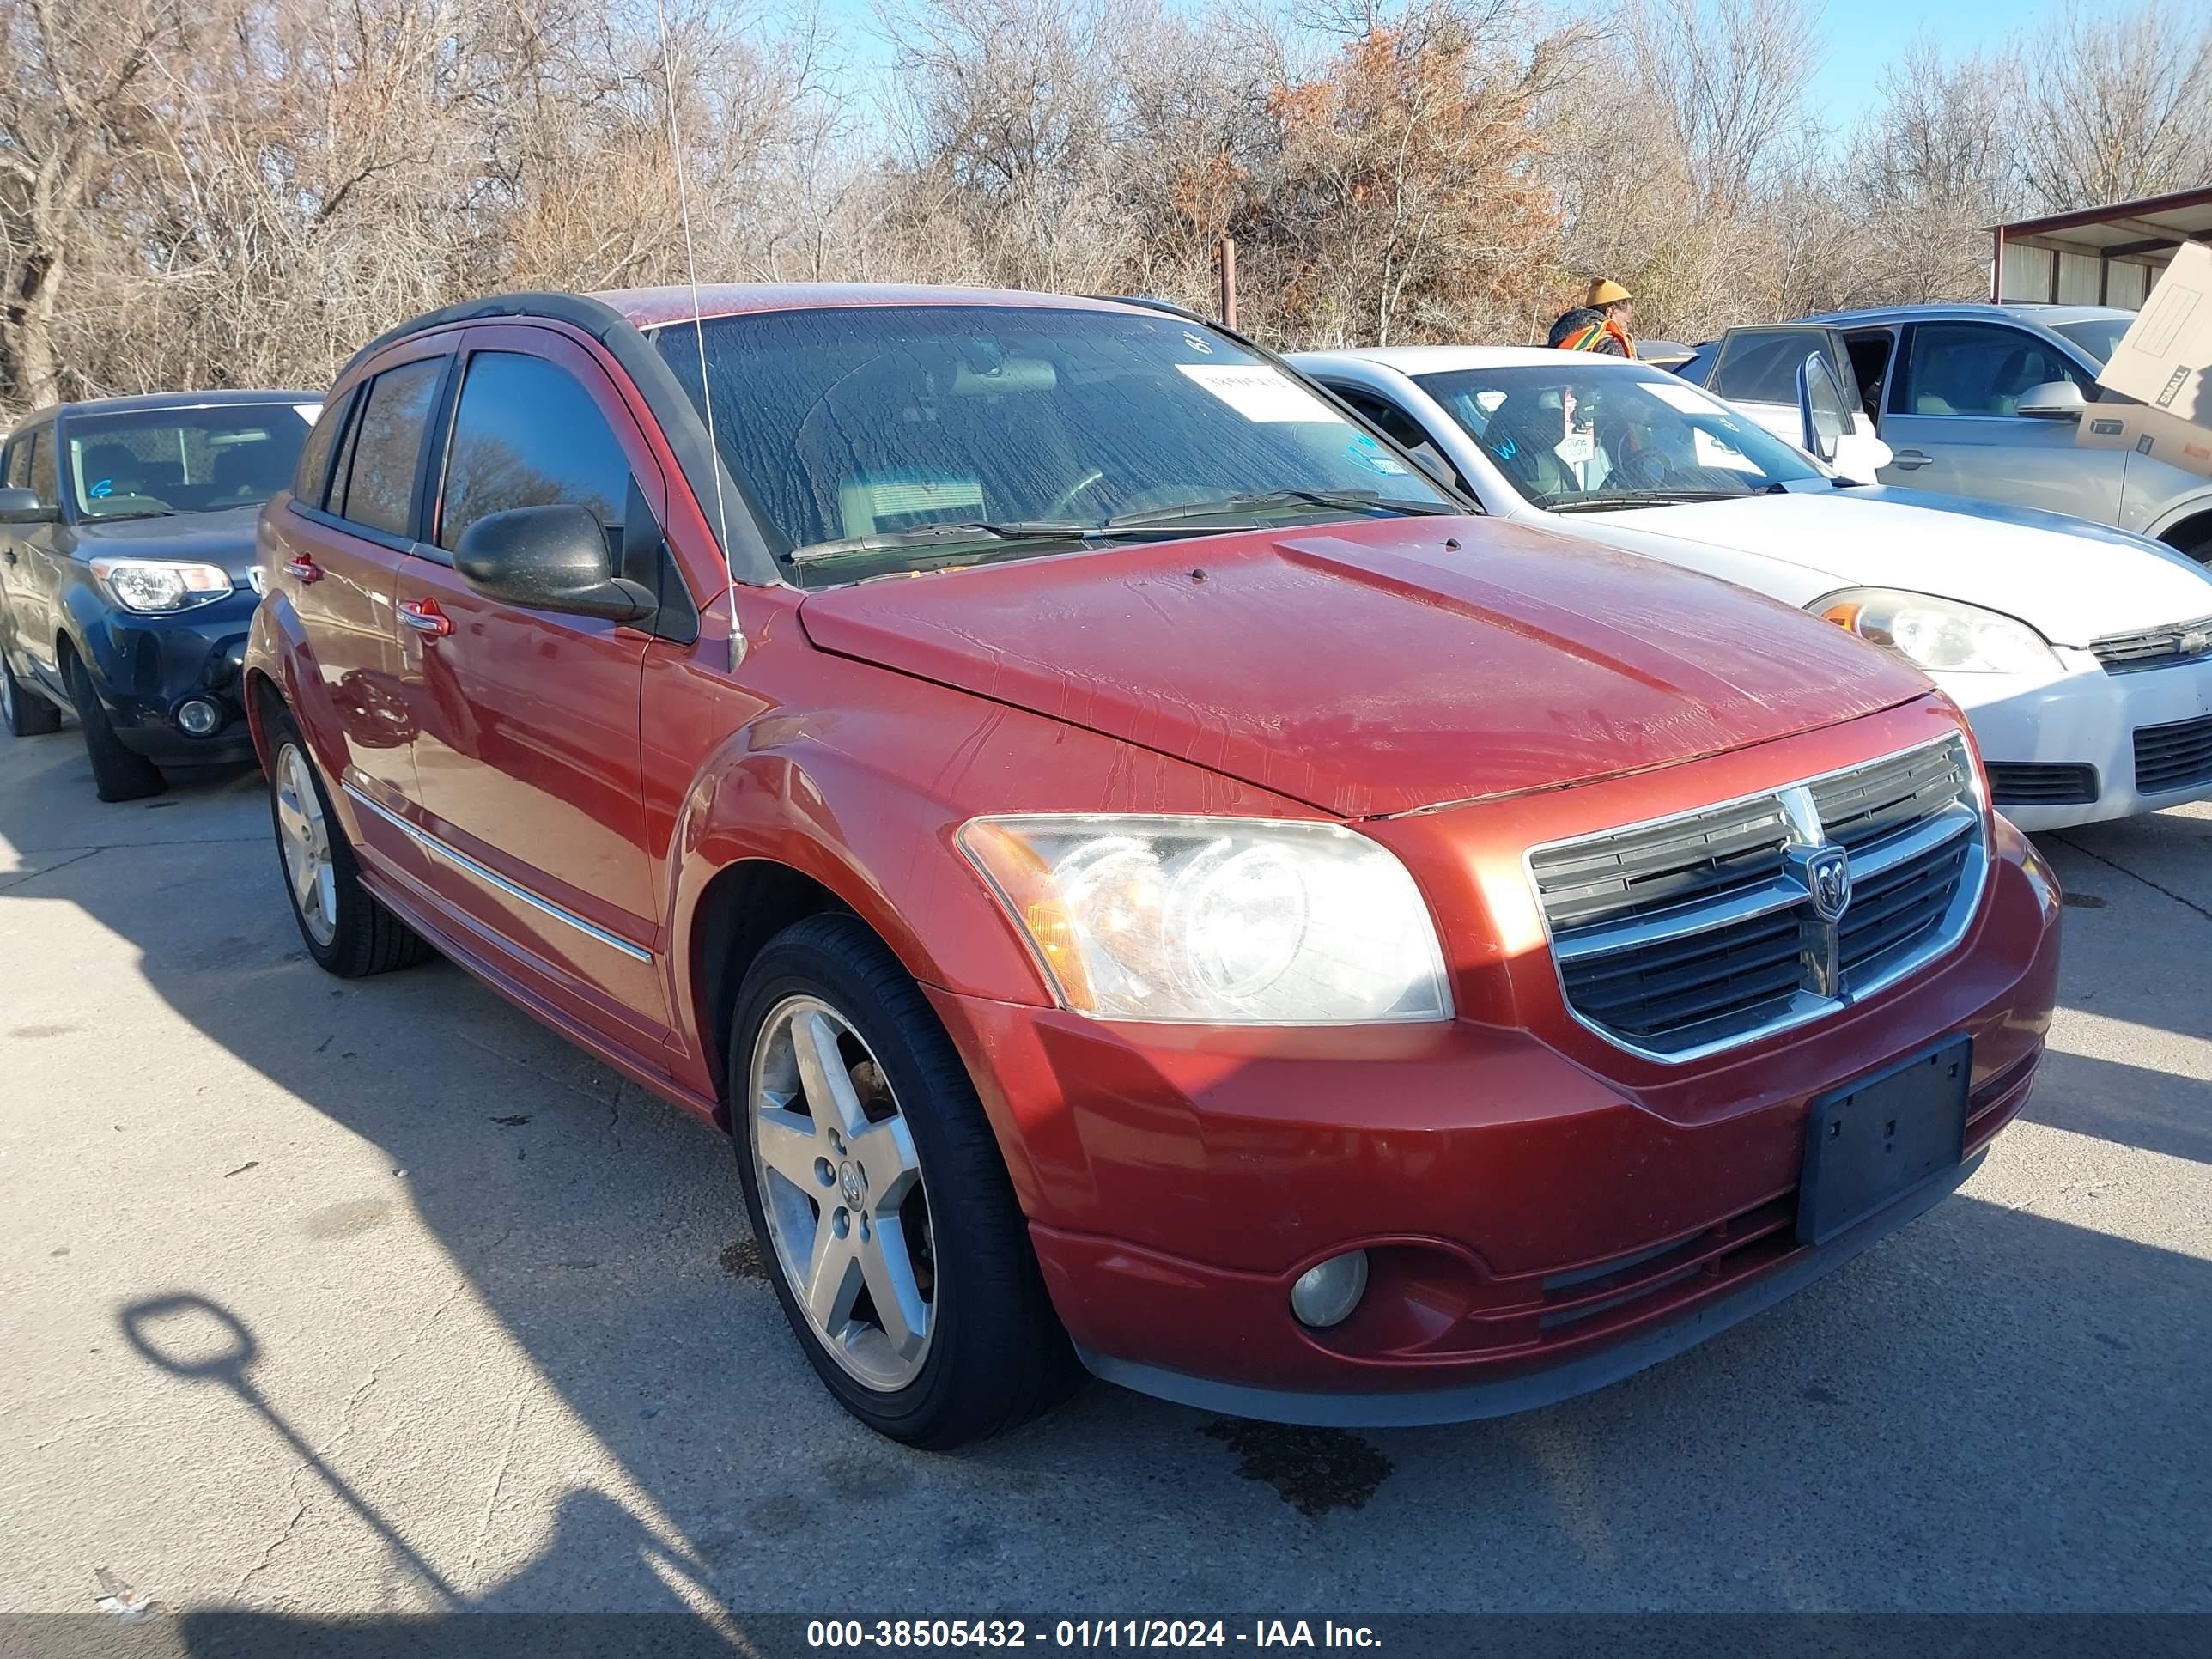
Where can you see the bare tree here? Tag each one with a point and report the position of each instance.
(1731, 76)
(2124, 104)
(1933, 167)
(73, 98)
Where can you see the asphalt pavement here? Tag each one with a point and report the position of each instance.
(377, 1298)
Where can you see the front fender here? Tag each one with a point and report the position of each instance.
(881, 845)
(2195, 504)
(859, 778)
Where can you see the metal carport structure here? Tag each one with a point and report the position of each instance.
(2097, 256)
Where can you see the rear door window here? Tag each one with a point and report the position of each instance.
(1760, 365)
(18, 462)
(385, 448)
(46, 475)
(525, 433)
(1976, 368)
(314, 469)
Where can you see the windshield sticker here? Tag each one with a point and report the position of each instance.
(309, 412)
(1370, 453)
(1197, 342)
(1687, 399)
(1259, 393)
(1712, 452)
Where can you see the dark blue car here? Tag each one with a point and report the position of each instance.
(127, 572)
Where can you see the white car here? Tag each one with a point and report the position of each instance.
(2081, 654)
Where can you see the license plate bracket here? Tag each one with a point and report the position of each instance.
(1868, 1145)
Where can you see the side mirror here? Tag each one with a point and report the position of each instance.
(1820, 405)
(548, 558)
(2054, 400)
(23, 506)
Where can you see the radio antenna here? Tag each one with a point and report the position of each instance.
(699, 331)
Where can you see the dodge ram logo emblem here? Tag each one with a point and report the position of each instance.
(1828, 879)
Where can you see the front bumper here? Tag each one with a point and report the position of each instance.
(145, 668)
(2079, 715)
(1536, 1225)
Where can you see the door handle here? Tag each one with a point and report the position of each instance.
(303, 568)
(1909, 458)
(426, 619)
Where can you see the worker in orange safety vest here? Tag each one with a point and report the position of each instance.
(1601, 323)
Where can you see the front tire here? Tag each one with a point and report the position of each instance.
(117, 773)
(346, 928)
(876, 1189)
(23, 712)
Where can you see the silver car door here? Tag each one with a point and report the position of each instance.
(1951, 420)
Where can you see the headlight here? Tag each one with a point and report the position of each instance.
(154, 584)
(1938, 636)
(1231, 921)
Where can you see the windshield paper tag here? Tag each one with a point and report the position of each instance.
(1259, 393)
(1577, 448)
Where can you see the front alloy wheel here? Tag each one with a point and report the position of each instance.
(875, 1185)
(841, 1187)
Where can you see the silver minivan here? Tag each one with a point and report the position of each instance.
(1986, 401)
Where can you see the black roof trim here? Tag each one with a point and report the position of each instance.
(140, 402)
(747, 554)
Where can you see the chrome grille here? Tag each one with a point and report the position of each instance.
(1678, 938)
(2154, 648)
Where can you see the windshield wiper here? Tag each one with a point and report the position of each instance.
(143, 512)
(1604, 498)
(1362, 501)
(927, 535)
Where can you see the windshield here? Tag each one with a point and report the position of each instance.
(2096, 335)
(159, 461)
(887, 438)
(1580, 436)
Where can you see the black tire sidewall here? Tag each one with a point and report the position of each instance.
(33, 716)
(975, 1217)
(118, 772)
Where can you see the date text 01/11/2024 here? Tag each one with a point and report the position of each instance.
(937, 1634)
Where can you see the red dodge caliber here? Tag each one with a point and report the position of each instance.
(1149, 880)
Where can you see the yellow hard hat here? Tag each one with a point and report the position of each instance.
(1607, 292)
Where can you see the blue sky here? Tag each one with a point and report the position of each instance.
(1863, 37)
(1860, 39)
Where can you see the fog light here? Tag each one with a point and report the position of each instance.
(199, 717)
(1326, 1295)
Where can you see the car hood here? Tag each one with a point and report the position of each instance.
(224, 538)
(2071, 580)
(1369, 668)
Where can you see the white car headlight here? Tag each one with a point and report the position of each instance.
(1938, 636)
(157, 585)
(1228, 921)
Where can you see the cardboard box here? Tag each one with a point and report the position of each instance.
(2151, 432)
(2165, 359)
